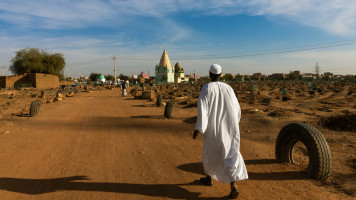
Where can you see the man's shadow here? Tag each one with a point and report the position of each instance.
(75, 183)
(173, 191)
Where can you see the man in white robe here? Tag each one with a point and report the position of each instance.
(218, 120)
(124, 87)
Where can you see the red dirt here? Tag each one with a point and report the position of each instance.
(102, 146)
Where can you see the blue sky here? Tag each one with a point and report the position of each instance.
(196, 33)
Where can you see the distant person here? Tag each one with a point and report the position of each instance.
(218, 120)
(124, 86)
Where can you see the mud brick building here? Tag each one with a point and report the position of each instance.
(35, 80)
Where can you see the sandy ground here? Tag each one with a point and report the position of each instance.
(103, 146)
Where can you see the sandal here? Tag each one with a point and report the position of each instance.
(206, 181)
(234, 193)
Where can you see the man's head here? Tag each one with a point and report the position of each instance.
(215, 72)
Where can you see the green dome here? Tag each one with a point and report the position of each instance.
(101, 76)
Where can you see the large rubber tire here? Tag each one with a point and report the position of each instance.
(38, 107)
(319, 166)
(34, 108)
(159, 100)
(168, 110)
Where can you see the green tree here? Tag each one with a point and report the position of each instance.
(94, 76)
(228, 77)
(33, 60)
(109, 77)
(238, 78)
(123, 77)
(53, 63)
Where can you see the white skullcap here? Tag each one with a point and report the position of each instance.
(215, 69)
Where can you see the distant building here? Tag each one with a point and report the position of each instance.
(133, 76)
(179, 74)
(258, 75)
(309, 76)
(277, 76)
(143, 75)
(84, 78)
(297, 73)
(328, 74)
(35, 80)
(164, 71)
(294, 75)
(192, 77)
(101, 79)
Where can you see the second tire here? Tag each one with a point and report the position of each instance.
(168, 110)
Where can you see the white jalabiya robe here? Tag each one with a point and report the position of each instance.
(124, 91)
(218, 120)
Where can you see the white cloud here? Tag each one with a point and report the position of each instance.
(68, 42)
(334, 16)
(55, 14)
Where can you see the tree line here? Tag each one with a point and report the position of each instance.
(94, 77)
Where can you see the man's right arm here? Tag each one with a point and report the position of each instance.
(202, 118)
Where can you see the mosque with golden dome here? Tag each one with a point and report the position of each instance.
(166, 73)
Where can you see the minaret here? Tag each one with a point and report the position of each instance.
(165, 62)
(165, 70)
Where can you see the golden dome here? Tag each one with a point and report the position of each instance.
(165, 62)
(177, 67)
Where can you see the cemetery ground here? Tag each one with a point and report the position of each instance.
(99, 145)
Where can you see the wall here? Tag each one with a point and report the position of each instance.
(12, 81)
(36, 80)
(45, 81)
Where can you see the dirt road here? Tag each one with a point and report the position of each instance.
(102, 146)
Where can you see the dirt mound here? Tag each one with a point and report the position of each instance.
(191, 120)
(353, 163)
(279, 113)
(340, 122)
(192, 105)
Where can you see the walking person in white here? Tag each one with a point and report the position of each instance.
(218, 120)
(124, 87)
